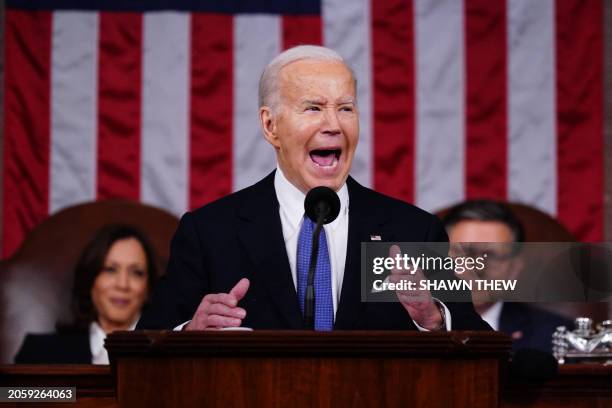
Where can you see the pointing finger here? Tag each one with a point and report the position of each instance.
(240, 289)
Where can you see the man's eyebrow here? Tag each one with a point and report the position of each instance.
(322, 102)
(312, 102)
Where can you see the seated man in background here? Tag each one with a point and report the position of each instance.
(489, 221)
(112, 280)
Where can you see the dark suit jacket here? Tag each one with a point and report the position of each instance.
(240, 236)
(529, 326)
(54, 348)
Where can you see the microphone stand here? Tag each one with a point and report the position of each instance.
(309, 300)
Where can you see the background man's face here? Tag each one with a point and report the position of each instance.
(316, 128)
(501, 262)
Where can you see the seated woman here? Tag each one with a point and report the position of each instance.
(113, 279)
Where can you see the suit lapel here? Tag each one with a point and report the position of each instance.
(261, 235)
(365, 221)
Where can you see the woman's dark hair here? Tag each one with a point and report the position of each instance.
(91, 263)
(485, 210)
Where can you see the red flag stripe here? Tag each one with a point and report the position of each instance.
(393, 83)
(211, 108)
(119, 96)
(486, 99)
(26, 127)
(298, 30)
(579, 59)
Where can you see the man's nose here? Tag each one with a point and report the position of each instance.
(332, 124)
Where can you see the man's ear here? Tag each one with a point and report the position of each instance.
(268, 125)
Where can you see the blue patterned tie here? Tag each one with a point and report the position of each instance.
(324, 309)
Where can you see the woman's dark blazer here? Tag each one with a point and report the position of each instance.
(55, 348)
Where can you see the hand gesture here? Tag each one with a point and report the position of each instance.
(418, 302)
(220, 310)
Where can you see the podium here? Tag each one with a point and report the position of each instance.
(307, 369)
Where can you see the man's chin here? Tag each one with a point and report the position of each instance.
(334, 183)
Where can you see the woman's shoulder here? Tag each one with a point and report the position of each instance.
(55, 348)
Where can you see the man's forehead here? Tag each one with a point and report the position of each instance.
(310, 80)
(469, 230)
(314, 68)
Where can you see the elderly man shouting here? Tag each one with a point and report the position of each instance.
(239, 261)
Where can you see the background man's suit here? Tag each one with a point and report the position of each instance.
(240, 236)
(529, 326)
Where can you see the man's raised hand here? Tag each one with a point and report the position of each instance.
(219, 310)
(418, 302)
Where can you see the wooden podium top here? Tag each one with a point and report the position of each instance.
(282, 368)
(301, 343)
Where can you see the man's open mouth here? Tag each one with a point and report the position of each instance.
(325, 157)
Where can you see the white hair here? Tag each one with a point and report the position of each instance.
(268, 83)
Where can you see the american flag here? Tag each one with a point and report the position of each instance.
(155, 101)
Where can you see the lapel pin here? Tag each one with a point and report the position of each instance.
(374, 237)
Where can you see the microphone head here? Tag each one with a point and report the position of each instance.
(322, 202)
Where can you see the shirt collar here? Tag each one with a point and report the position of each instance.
(492, 315)
(96, 344)
(291, 200)
(95, 330)
(97, 334)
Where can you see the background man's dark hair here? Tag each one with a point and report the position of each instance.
(485, 210)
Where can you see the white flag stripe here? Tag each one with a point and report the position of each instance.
(74, 60)
(165, 111)
(532, 146)
(440, 103)
(346, 29)
(257, 40)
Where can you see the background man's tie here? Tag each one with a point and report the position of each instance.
(324, 309)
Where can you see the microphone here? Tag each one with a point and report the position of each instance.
(322, 206)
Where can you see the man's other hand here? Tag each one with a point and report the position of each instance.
(220, 310)
(418, 303)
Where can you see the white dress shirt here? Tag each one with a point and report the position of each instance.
(99, 355)
(493, 314)
(291, 202)
(96, 344)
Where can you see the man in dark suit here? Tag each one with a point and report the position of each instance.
(492, 222)
(239, 261)
(530, 327)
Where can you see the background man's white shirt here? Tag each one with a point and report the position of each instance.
(493, 314)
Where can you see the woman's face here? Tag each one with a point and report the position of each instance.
(120, 289)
